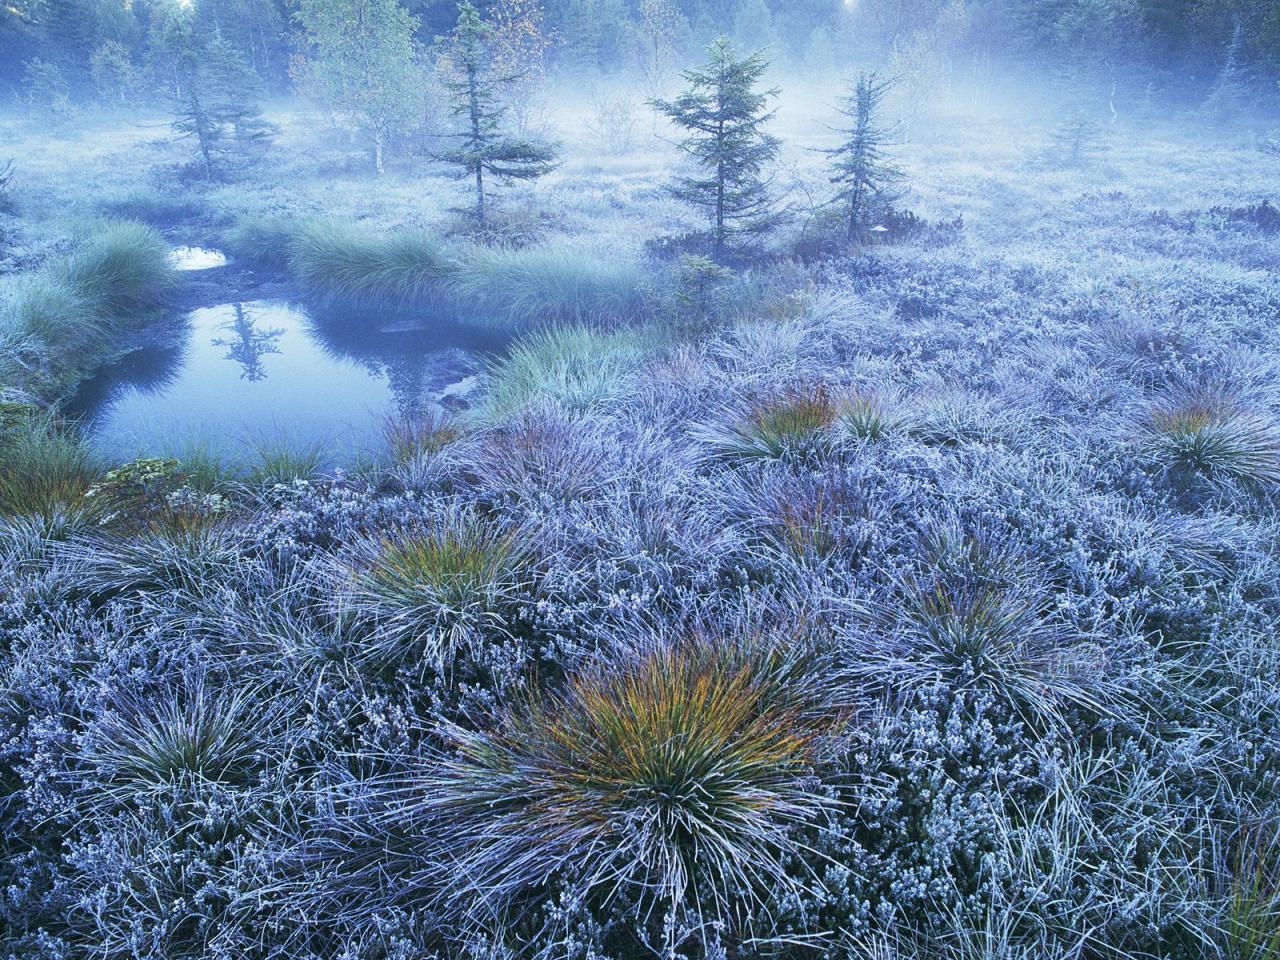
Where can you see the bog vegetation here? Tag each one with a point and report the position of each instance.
(860, 541)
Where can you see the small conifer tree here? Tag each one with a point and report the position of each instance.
(1078, 139)
(860, 168)
(472, 82)
(1229, 100)
(701, 283)
(216, 106)
(724, 115)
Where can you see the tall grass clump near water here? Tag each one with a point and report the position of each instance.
(343, 262)
(47, 312)
(501, 288)
(278, 460)
(514, 287)
(263, 241)
(45, 468)
(574, 366)
(670, 777)
(153, 206)
(412, 438)
(122, 271)
(71, 313)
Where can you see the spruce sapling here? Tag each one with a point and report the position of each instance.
(485, 149)
(724, 115)
(860, 168)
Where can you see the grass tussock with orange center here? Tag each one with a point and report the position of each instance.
(429, 592)
(796, 424)
(1206, 429)
(685, 766)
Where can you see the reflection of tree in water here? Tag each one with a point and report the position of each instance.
(411, 360)
(407, 377)
(248, 345)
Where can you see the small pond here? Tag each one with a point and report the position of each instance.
(196, 258)
(238, 374)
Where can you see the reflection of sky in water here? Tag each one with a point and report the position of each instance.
(267, 370)
(196, 258)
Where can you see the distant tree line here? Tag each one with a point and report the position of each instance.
(112, 48)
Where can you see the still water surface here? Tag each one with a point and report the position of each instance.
(239, 374)
(196, 258)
